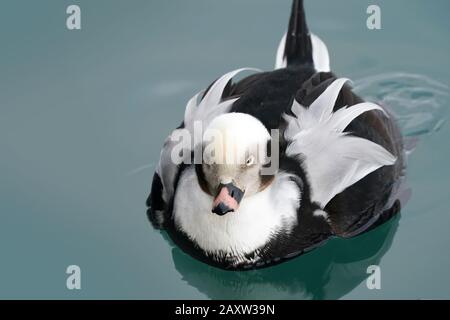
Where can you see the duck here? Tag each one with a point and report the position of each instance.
(264, 169)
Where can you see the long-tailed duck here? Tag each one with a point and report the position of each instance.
(278, 163)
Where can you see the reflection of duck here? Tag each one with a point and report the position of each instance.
(253, 199)
(327, 273)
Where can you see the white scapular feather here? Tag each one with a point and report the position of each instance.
(333, 159)
(321, 58)
(209, 107)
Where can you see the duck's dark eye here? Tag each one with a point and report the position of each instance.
(250, 161)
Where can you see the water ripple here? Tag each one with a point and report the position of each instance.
(419, 103)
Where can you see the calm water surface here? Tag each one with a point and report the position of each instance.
(83, 115)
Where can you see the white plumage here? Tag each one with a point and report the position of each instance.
(258, 218)
(334, 160)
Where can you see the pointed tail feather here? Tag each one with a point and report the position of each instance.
(298, 49)
(298, 46)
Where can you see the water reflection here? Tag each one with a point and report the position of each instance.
(328, 272)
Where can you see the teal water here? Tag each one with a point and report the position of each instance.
(83, 115)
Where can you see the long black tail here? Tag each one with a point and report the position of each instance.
(298, 49)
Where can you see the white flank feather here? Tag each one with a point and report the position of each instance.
(333, 159)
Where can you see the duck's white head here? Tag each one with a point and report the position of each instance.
(234, 154)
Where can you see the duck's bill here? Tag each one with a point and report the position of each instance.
(227, 199)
